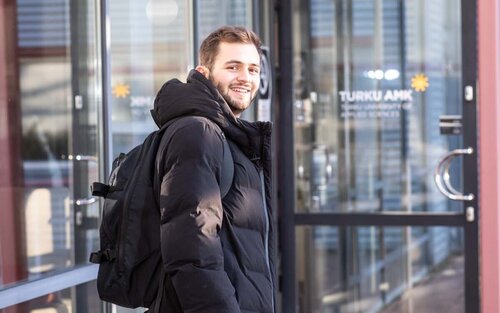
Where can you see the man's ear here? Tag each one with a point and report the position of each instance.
(203, 70)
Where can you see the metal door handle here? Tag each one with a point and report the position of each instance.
(443, 181)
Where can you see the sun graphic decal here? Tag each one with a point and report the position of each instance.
(121, 90)
(420, 82)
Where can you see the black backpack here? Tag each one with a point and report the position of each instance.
(129, 258)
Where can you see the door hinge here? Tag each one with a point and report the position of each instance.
(470, 214)
(469, 93)
(78, 102)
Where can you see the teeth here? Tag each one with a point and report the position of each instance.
(240, 90)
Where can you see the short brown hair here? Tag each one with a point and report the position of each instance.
(230, 34)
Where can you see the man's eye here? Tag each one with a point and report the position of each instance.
(254, 71)
(233, 67)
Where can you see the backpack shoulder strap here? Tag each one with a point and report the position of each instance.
(227, 170)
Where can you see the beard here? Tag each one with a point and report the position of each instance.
(236, 106)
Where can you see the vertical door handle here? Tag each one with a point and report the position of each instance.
(443, 180)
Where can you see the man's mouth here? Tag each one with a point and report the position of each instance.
(240, 90)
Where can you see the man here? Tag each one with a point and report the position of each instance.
(217, 253)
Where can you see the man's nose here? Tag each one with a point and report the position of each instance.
(244, 75)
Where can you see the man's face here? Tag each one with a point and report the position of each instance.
(236, 74)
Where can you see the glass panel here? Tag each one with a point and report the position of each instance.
(215, 13)
(380, 269)
(371, 80)
(150, 44)
(64, 301)
(49, 151)
(212, 14)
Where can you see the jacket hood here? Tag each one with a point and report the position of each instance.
(199, 97)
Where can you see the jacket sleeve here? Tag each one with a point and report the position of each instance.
(191, 217)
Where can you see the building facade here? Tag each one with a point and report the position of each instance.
(387, 143)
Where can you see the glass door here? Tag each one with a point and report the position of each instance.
(385, 156)
(56, 68)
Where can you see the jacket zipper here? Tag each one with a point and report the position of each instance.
(266, 235)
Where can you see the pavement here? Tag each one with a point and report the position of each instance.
(441, 292)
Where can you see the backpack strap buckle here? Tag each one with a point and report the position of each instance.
(102, 255)
(99, 189)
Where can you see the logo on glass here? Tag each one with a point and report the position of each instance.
(420, 82)
(121, 90)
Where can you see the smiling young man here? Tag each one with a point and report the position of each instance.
(217, 251)
(235, 72)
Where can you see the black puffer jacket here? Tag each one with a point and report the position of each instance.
(219, 257)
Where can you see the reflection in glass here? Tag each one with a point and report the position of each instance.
(150, 44)
(380, 269)
(370, 85)
(42, 234)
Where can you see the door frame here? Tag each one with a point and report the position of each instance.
(289, 220)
